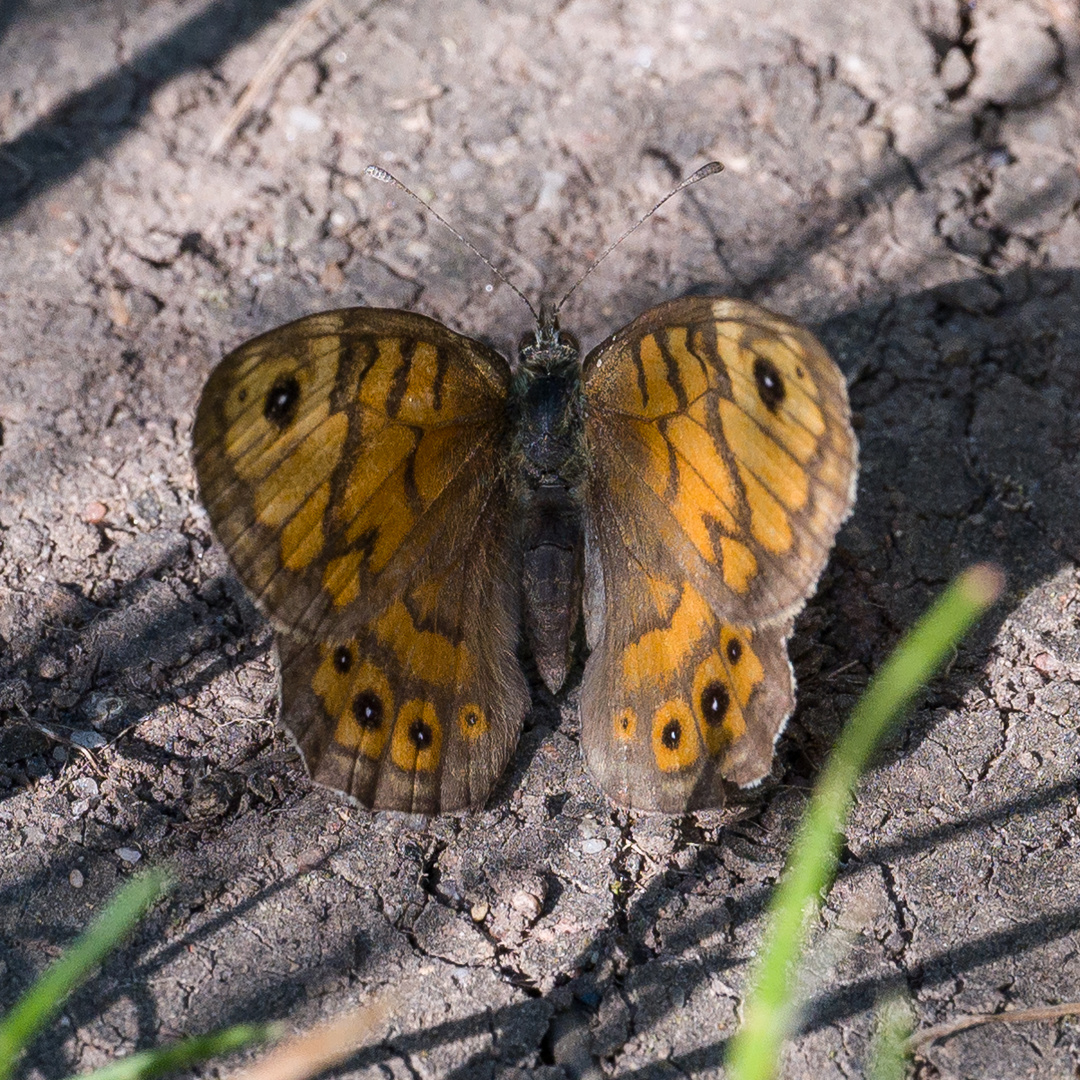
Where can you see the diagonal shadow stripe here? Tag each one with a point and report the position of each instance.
(85, 125)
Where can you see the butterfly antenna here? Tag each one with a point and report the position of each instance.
(384, 177)
(710, 169)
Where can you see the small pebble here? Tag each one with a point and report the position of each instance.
(88, 740)
(79, 807)
(94, 513)
(1046, 664)
(86, 787)
(525, 903)
(593, 846)
(76, 879)
(100, 707)
(129, 854)
(50, 667)
(479, 911)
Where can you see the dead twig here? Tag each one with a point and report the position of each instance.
(1016, 1016)
(269, 68)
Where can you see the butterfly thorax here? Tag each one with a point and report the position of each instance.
(548, 457)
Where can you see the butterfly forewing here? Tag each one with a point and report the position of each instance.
(721, 462)
(353, 465)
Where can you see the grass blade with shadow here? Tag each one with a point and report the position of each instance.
(148, 1064)
(770, 1010)
(41, 1002)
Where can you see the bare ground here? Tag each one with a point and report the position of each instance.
(902, 176)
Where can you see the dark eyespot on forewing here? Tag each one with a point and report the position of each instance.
(282, 401)
(770, 384)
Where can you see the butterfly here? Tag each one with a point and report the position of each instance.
(405, 506)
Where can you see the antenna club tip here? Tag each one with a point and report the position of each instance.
(709, 169)
(377, 173)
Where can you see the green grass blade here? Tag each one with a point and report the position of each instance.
(41, 1002)
(889, 1051)
(754, 1051)
(148, 1064)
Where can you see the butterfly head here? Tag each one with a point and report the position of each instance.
(548, 350)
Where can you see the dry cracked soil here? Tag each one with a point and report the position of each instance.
(900, 174)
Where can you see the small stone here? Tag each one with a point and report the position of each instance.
(50, 667)
(956, 70)
(479, 911)
(1046, 664)
(88, 740)
(101, 707)
(527, 904)
(129, 854)
(79, 807)
(86, 787)
(76, 879)
(13, 693)
(94, 513)
(593, 846)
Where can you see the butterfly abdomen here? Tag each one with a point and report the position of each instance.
(549, 459)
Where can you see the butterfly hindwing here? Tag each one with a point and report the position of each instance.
(421, 710)
(353, 465)
(675, 700)
(721, 462)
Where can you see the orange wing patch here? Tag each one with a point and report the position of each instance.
(657, 653)
(430, 656)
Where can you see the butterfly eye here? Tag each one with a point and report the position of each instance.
(734, 650)
(281, 402)
(715, 700)
(770, 384)
(368, 710)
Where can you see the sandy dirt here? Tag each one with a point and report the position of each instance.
(902, 176)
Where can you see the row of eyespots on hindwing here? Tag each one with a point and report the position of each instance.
(714, 717)
(358, 695)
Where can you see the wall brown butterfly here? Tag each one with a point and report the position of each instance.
(403, 505)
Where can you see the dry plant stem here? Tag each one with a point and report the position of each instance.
(323, 1046)
(270, 67)
(928, 1035)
